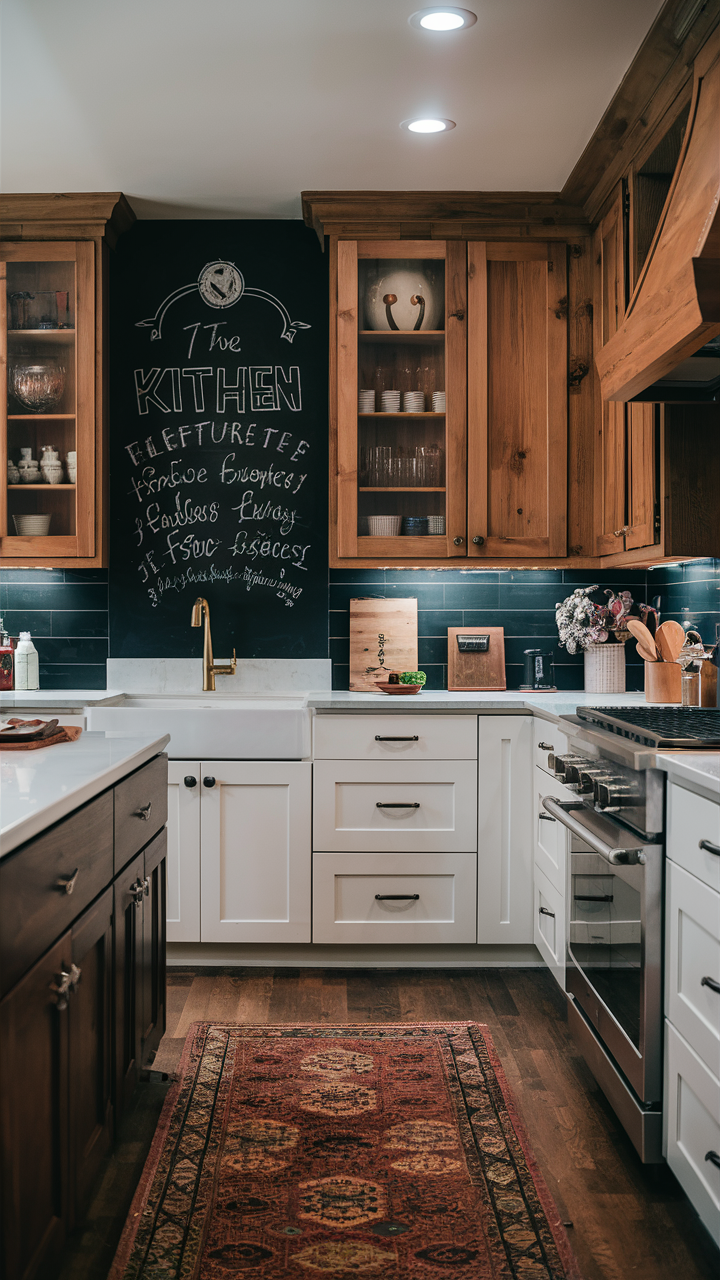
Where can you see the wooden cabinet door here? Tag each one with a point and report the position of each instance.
(152, 975)
(255, 851)
(625, 471)
(90, 1113)
(33, 1118)
(183, 856)
(128, 908)
(517, 399)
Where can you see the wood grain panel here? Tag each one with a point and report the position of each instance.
(456, 396)
(581, 400)
(347, 381)
(609, 308)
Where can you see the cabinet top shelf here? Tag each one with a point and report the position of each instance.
(38, 417)
(54, 335)
(45, 487)
(405, 414)
(420, 336)
(387, 488)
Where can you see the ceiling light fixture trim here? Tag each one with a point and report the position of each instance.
(427, 124)
(442, 18)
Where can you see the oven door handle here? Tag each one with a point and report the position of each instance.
(565, 811)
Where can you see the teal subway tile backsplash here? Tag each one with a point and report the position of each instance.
(66, 612)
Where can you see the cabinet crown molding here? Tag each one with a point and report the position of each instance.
(74, 215)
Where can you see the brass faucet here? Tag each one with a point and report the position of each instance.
(210, 669)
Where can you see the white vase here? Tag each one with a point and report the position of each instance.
(605, 668)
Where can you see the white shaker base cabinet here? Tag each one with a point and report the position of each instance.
(505, 829)
(183, 851)
(394, 897)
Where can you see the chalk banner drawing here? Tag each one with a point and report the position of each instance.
(219, 464)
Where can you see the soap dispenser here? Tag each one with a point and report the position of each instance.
(27, 663)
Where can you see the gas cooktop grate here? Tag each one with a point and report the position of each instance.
(684, 728)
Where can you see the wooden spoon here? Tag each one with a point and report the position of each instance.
(645, 643)
(670, 639)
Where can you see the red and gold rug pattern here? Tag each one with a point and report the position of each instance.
(325, 1153)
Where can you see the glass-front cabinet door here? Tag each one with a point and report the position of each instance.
(401, 402)
(47, 400)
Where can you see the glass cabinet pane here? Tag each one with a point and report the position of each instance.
(41, 398)
(401, 397)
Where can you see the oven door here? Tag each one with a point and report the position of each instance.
(614, 940)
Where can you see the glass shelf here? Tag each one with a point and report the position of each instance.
(421, 336)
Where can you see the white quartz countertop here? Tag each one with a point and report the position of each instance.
(37, 788)
(699, 768)
(546, 705)
(63, 699)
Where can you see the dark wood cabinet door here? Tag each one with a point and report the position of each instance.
(128, 941)
(152, 976)
(90, 1112)
(517, 399)
(33, 1117)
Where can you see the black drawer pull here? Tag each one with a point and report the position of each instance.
(714, 1158)
(545, 817)
(398, 804)
(67, 886)
(144, 812)
(590, 897)
(711, 983)
(397, 897)
(545, 746)
(380, 738)
(208, 782)
(709, 847)
(545, 912)
(189, 780)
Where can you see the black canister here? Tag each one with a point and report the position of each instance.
(538, 670)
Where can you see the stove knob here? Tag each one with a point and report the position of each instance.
(589, 780)
(563, 763)
(612, 796)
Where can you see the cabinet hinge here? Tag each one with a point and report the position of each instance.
(551, 265)
(657, 523)
(626, 199)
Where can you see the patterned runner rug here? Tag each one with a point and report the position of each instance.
(378, 1151)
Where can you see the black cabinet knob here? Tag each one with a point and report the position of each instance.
(208, 782)
(478, 540)
(458, 541)
(189, 780)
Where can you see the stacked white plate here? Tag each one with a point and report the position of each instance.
(366, 401)
(438, 401)
(32, 526)
(436, 524)
(390, 401)
(384, 526)
(414, 401)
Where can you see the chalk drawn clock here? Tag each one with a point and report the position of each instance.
(220, 284)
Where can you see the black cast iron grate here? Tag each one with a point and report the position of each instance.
(663, 727)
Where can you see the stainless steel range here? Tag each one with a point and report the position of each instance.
(616, 829)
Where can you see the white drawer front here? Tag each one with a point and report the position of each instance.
(692, 1106)
(693, 953)
(550, 835)
(394, 897)
(395, 737)
(548, 739)
(437, 813)
(692, 818)
(549, 935)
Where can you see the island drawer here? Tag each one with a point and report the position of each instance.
(396, 898)
(398, 806)
(46, 884)
(141, 809)
(395, 737)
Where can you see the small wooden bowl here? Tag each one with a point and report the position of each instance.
(398, 688)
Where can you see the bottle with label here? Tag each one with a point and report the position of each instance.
(27, 665)
(7, 658)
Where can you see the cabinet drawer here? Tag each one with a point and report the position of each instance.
(692, 1109)
(355, 806)
(35, 903)
(549, 927)
(392, 898)
(141, 809)
(550, 835)
(693, 953)
(395, 737)
(548, 740)
(692, 818)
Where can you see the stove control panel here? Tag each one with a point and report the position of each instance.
(604, 785)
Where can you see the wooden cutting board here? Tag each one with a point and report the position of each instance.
(476, 669)
(383, 638)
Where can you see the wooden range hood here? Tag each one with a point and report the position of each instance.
(675, 309)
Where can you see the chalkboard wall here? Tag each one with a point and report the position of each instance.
(218, 439)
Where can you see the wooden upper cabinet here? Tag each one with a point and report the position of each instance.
(517, 399)
(625, 455)
(53, 395)
(400, 451)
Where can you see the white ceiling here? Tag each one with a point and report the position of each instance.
(212, 108)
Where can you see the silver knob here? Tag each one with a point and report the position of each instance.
(478, 540)
(458, 541)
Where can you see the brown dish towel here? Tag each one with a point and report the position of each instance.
(68, 733)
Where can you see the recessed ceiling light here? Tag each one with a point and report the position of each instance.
(442, 18)
(428, 125)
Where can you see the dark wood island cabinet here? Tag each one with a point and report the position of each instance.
(82, 1005)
